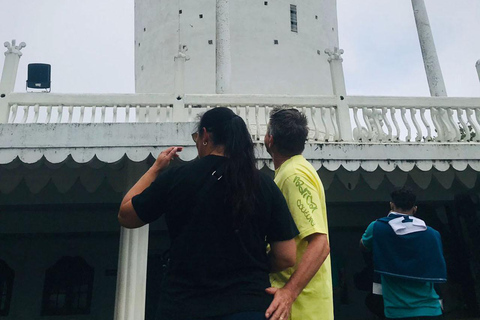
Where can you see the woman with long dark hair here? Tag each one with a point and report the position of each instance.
(221, 213)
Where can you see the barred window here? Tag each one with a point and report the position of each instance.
(68, 287)
(6, 287)
(293, 18)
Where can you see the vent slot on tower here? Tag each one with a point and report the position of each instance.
(293, 18)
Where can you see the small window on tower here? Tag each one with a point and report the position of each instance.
(293, 18)
(210, 41)
(266, 3)
(275, 41)
(200, 16)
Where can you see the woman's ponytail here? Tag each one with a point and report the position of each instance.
(241, 175)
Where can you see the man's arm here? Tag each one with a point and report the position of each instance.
(313, 258)
(366, 241)
(282, 255)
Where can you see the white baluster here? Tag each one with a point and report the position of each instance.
(465, 127)
(49, 114)
(366, 117)
(477, 114)
(333, 118)
(474, 125)
(159, 109)
(359, 132)
(454, 128)
(407, 125)
(387, 123)
(267, 114)
(168, 113)
(313, 111)
(257, 122)
(26, 110)
(324, 117)
(13, 113)
(36, 112)
(395, 123)
(438, 124)
(60, 114)
(102, 118)
(127, 113)
(189, 113)
(426, 124)
(147, 113)
(137, 113)
(115, 113)
(70, 114)
(247, 120)
(376, 121)
(413, 112)
(82, 114)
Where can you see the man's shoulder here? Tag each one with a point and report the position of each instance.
(296, 166)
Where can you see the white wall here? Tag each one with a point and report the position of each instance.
(293, 66)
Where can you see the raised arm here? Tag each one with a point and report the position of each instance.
(127, 216)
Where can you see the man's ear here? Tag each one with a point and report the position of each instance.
(392, 206)
(269, 140)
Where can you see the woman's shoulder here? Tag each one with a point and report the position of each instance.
(267, 182)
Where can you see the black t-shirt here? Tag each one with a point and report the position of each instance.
(215, 268)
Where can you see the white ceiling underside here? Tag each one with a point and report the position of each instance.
(97, 153)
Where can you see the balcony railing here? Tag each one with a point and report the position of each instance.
(371, 119)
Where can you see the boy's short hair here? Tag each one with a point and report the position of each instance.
(403, 198)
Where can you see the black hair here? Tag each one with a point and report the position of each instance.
(403, 198)
(289, 128)
(241, 175)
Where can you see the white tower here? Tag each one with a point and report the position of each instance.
(275, 46)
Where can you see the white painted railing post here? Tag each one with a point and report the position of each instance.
(132, 265)
(339, 90)
(477, 65)
(9, 75)
(429, 53)
(223, 66)
(178, 104)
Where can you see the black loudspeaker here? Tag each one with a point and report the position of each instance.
(39, 76)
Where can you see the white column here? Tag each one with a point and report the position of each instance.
(179, 105)
(339, 90)
(132, 264)
(477, 65)
(9, 75)
(429, 53)
(223, 55)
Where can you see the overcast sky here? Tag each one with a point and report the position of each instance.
(90, 44)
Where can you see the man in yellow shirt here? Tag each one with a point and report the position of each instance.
(306, 288)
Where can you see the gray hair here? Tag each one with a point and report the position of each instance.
(289, 128)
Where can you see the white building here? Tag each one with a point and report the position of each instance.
(66, 160)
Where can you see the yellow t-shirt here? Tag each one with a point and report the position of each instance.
(303, 190)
